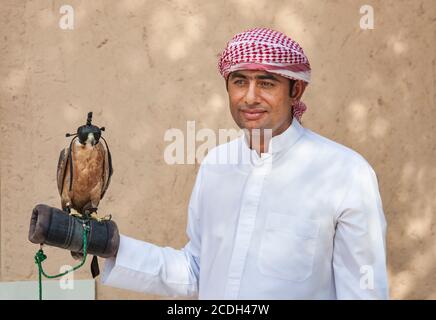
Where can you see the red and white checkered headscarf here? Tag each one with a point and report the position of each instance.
(268, 50)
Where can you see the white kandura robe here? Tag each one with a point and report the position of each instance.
(304, 221)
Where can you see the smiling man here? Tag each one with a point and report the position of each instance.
(303, 219)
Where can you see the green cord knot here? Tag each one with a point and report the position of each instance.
(40, 256)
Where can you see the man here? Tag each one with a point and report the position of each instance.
(303, 219)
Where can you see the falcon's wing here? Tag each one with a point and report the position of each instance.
(107, 170)
(62, 165)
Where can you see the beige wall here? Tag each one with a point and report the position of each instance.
(146, 66)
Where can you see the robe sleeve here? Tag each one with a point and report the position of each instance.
(147, 268)
(359, 255)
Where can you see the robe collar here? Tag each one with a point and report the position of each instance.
(279, 143)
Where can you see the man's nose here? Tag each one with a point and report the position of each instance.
(251, 95)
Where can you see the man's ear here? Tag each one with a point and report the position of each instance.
(298, 90)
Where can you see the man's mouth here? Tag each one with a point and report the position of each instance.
(253, 114)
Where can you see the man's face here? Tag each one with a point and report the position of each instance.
(259, 99)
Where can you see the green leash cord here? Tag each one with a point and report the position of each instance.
(40, 257)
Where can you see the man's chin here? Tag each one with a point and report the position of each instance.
(256, 127)
(249, 125)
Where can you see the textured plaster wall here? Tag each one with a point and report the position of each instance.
(146, 66)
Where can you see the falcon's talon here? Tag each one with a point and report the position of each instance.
(76, 214)
(94, 216)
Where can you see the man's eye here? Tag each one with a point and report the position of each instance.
(266, 84)
(239, 82)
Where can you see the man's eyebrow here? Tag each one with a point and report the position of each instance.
(237, 75)
(267, 77)
(259, 77)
